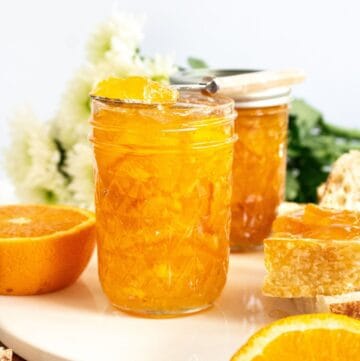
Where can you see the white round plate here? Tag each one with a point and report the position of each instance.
(78, 323)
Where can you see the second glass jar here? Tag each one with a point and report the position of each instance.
(259, 168)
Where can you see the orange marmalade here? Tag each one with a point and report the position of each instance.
(163, 193)
(259, 158)
(259, 173)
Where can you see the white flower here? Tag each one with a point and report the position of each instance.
(121, 34)
(160, 67)
(52, 162)
(33, 161)
(79, 166)
(71, 122)
(116, 43)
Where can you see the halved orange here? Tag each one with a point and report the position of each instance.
(317, 337)
(43, 248)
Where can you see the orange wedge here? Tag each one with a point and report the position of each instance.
(43, 248)
(320, 337)
(135, 89)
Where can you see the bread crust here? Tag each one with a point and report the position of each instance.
(340, 191)
(6, 354)
(342, 188)
(345, 304)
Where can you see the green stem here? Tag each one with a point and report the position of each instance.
(62, 160)
(341, 132)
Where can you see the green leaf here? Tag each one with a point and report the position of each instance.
(341, 132)
(306, 118)
(304, 112)
(62, 159)
(161, 78)
(48, 196)
(292, 186)
(313, 146)
(196, 63)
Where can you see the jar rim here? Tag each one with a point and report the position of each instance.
(194, 111)
(187, 100)
(268, 98)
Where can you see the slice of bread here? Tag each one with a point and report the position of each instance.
(340, 191)
(345, 304)
(313, 251)
(5, 354)
(342, 188)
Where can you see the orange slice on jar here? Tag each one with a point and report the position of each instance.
(135, 89)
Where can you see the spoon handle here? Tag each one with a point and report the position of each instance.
(258, 81)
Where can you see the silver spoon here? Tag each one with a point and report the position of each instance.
(247, 83)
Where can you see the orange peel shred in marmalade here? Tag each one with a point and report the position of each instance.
(313, 251)
(135, 89)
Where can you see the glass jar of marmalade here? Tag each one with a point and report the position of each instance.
(259, 168)
(163, 197)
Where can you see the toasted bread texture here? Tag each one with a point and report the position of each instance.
(340, 191)
(344, 304)
(342, 188)
(313, 251)
(5, 354)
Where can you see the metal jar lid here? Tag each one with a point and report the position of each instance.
(268, 98)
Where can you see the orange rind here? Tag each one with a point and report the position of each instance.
(320, 337)
(43, 248)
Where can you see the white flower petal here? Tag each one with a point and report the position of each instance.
(160, 67)
(37, 150)
(79, 165)
(32, 161)
(120, 33)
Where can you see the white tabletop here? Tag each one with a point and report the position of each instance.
(78, 323)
